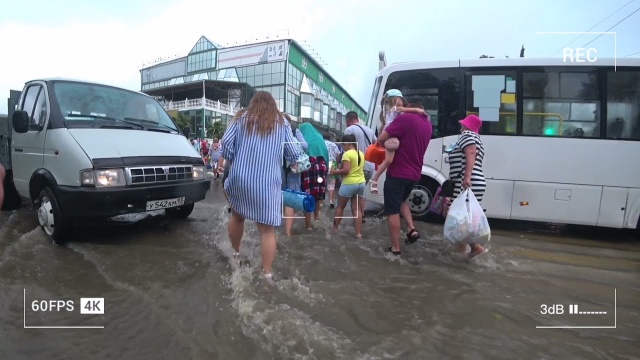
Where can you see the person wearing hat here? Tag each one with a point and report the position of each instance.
(465, 169)
(393, 104)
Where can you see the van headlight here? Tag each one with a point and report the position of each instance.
(198, 172)
(103, 178)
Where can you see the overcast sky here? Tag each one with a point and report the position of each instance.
(108, 41)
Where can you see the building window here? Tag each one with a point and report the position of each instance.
(325, 114)
(320, 77)
(307, 106)
(294, 77)
(263, 74)
(293, 104)
(332, 118)
(201, 61)
(561, 104)
(623, 105)
(317, 110)
(491, 95)
(303, 63)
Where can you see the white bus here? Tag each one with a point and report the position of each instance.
(562, 141)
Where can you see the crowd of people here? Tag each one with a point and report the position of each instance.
(344, 165)
(256, 168)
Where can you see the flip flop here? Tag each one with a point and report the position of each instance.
(412, 236)
(396, 253)
(373, 187)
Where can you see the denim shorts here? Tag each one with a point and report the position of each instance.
(350, 190)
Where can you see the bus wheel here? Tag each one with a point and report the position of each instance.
(421, 198)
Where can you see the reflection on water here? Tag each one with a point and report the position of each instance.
(172, 292)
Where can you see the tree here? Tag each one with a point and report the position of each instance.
(486, 57)
(216, 130)
(183, 121)
(522, 51)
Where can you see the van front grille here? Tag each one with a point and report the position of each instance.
(159, 174)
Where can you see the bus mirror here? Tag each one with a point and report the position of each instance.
(20, 120)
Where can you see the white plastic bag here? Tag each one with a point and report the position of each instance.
(466, 222)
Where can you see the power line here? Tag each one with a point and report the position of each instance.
(594, 26)
(616, 24)
(636, 53)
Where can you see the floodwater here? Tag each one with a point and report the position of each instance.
(171, 292)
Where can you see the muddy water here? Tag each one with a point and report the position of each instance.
(171, 293)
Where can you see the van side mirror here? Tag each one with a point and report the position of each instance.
(20, 120)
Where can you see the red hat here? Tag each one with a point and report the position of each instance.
(472, 122)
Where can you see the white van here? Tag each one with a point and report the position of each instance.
(82, 150)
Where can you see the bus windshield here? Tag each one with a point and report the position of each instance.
(372, 104)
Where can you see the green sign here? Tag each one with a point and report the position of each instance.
(298, 59)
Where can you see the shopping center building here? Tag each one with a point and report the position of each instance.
(212, 83)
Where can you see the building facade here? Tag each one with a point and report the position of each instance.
(212, 83)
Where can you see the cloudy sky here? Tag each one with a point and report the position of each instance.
(108, 41)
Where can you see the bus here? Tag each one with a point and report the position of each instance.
(562, 140)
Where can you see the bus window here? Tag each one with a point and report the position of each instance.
(557, 103)
(623, 105)
(439, 90)
(491, 94)
(372, 104)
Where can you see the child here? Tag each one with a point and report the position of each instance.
(215, 153)
(393, 104)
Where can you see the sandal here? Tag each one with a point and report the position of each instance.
(359, 237)
(412, 236)
(373, 187)
(474, 254)
(396, 253)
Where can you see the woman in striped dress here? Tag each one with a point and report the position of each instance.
(466, 167)
(254, 144)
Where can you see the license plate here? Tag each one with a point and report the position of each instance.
(164, 204)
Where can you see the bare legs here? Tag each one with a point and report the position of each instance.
(316, 214)
(356, 203)
(267, 240)
(342, 203)
(393, 223)
(405, 211)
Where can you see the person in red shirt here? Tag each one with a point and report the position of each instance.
(204, 147)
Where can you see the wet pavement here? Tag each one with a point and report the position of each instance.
(171, 293)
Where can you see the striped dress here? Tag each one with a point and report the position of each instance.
(255, 179)
(458, 160)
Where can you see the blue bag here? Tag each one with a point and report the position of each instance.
(300, 201)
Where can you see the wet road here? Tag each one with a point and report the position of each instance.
(172, 293)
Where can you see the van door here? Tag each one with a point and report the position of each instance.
(27, 150)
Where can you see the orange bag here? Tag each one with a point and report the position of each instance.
(375, 154)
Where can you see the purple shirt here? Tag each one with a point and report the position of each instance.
(414, 132)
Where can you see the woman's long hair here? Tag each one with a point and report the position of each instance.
(262, 114)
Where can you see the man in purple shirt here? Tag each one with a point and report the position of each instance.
(414, 133)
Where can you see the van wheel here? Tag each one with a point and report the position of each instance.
(421, 198)
(180, 212)
(50, 217)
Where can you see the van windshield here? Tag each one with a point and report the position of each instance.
(82, 104)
